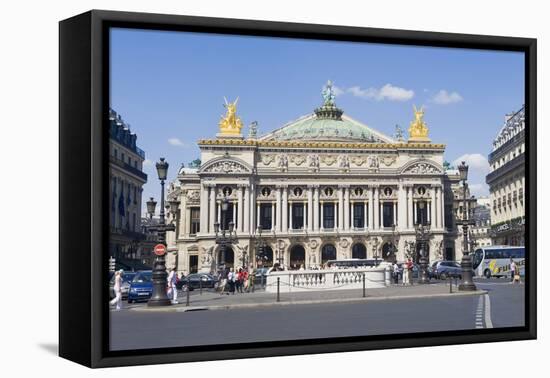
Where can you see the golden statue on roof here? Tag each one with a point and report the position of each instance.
(230, 124)
(418, 131)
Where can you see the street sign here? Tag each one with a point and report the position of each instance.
(159, 250)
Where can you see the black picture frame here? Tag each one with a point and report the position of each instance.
(83, 110)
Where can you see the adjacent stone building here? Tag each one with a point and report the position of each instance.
(126, 183)
(506, 181)
(322, 187)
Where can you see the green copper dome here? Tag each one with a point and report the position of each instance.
(327, 123)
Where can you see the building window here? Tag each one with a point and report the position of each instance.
(297, 192)
(227, 191)
(328, 215)
(520, 191)
(387, 214)
(358, 191)
(266, 192)
(388, 191)
(195, 225)
(297, 215)
(328, 192)
(265, 216)
(358, 215)
(421, 190)
(422, 212)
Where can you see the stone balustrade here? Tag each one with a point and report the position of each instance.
(327, 279)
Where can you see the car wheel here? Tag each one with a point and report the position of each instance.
(442, 276)
(130, 301)
(487, 273)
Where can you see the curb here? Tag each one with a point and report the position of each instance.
(182, 308)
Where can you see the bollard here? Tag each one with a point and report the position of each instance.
(200, 285)
(278, 287)
(187, 299)
(364, 287)
(450, 284)
(262, 281)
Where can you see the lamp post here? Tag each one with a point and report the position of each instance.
(260, 246)
(159, 297)
(227, 235)
(151, 205)
(422, 232)
(375, 243)
(467, 283)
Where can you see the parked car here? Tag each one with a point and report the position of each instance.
(127, 277)
(141, 286)
(193, 281)
(444, 269)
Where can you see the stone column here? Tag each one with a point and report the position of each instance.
(185, 226)
(203, 209)
(433, 207)
(278, 209)
(371, 208)
(340, 208)
(352, 214)
(410, 205)
(415, 213)
(315, 208)
(402, 207)
(258, 215)
(346, 209)
(321, 220)
(212, 219)
(285, 210)
(310, 208)
(366, 217)
(235, 209)
(440, 216)
(252, 209)
(246, 208)
(376, 208)
(290, 216)
(395, 213)
(272, 216)
(240, 223)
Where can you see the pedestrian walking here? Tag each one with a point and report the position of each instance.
(245, 280)
(117, 300)
(231, 277)
(395, 268)
(513, 271)
(222, 282)
(251, 275)
(172, 286)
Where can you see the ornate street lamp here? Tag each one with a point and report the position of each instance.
(466, 262)
(375, 243)
(159, 297)
(151, 205)
(260, 246)
(422, 236)
(227, 235)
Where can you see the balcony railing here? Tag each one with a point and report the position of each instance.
(127, 167)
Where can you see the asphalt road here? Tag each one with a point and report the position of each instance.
(502, 307)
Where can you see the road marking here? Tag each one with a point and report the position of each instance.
(488, 321)
(479, 312)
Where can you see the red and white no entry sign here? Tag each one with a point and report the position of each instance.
(159, 250)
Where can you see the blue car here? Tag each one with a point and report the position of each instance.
(141, 287)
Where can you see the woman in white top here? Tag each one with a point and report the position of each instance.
(117, 300)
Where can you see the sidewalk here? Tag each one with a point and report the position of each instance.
(214, 301)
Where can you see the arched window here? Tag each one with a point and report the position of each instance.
(328, 253)
(358, 251)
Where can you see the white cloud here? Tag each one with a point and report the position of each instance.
(444, 98)
(176, 142)
(479, 190)
(147, 163)
(338, 91)
(476, 163)
(387, 92)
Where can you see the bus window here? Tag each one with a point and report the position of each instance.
(478, 256)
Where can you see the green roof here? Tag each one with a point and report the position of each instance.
(312, 127)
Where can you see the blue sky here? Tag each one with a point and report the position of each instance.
(169, 86)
